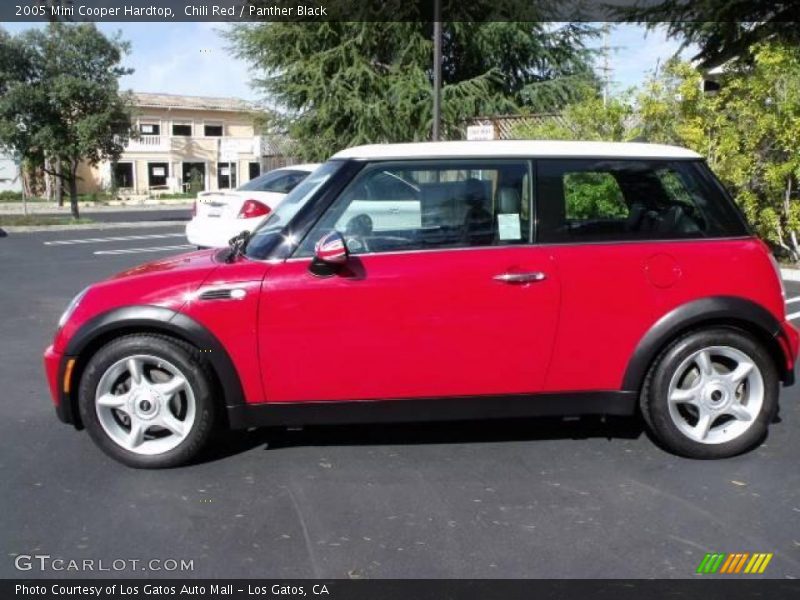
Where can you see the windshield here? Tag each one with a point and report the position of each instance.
(282, 181)
(270, 230)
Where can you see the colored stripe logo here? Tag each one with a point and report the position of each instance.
(735, 563)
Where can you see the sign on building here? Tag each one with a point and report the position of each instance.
(228, 150)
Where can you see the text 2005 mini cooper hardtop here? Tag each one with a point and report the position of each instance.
(450, 280)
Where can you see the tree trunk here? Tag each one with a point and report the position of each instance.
(73, 189)
(59, 181)
(48, 180)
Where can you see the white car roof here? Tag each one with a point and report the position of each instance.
(516, 148)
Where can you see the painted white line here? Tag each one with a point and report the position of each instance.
(793, 300)
(141, 250)
(792, 316)
(122, 238)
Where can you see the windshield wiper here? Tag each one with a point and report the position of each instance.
(237, 245)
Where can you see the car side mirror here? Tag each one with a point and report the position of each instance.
(331, 249)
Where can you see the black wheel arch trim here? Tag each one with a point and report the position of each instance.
(715, 310)
(148, 319)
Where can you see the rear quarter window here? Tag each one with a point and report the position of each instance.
(618, 200)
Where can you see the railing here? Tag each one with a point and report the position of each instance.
(146, 143)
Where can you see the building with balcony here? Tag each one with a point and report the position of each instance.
(183, 139)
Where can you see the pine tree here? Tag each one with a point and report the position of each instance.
(331, 85)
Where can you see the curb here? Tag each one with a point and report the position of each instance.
(50, 208)
(790, 274)
(85, 226)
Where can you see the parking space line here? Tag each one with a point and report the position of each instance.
(122, 238)
(792, 316)
(792, 300)
(141, 250)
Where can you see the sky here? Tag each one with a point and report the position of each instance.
(192, 58)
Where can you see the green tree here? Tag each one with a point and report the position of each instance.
(723, 29)
(589, 118)
(748, 132)
(60, 99)
(337, 84)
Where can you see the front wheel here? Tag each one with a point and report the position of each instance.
(147, 401)
(711, 394)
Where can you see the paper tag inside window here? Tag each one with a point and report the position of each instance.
(508, 226)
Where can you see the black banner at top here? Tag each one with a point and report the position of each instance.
(364, 10)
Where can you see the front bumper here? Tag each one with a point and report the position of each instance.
(55, 365)
(789, 339)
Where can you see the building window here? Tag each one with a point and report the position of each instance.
(157, 173)
(122, 175)
(226, 175)
(182, 129)
(212, 130)
(149, 128)
(253, 170)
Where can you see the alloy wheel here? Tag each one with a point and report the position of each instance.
(716, 394)
(145, 404)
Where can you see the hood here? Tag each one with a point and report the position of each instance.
(200, 261)
(164, 282)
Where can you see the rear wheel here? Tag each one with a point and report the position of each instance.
(147, 401)
(711, 394)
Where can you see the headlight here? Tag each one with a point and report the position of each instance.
(73, 304)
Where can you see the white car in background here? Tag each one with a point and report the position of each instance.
(219, 216)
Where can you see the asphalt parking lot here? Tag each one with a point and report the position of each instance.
(530, 498)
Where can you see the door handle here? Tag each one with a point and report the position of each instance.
(527, 277)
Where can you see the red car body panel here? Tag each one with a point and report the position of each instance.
(409, 325)
(235, 322)
(612, 294)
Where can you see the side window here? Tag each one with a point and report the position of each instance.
(430, 204)
(617, 200)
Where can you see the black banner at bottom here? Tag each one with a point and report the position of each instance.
(406, 589)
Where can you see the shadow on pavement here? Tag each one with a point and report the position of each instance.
(455, 432)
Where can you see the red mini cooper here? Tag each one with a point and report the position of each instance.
(455, 280)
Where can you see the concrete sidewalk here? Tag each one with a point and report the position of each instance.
(790, 274)
(41, 208)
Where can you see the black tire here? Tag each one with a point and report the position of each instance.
(654, 403)
(192, 366)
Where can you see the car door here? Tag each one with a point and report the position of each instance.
(442, 296)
